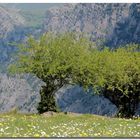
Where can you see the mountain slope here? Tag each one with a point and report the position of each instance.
(98, 20)
(9, 20)
(128, 29)
(13, 29)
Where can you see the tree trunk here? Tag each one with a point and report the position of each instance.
(47, 102)
(126, 104)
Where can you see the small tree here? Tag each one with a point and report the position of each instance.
(116, 75)
(53, 59)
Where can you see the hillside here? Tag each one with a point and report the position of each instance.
(33, 13)
(10, 19)
(128, 29)
(10, 22)
(97, 20)
(107, 24)
(14, 29)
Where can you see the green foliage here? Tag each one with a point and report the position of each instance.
(52, 57)
(55, 59)
(116, 73)
(72, 59)
(115, 68)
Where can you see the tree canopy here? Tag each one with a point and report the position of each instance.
(54, 59)
(73, 59)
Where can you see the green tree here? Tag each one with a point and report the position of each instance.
(116, 75)
(72, 59)
(52, 58)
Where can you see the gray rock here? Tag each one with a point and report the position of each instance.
(18, 93)
(74, 99)
(9, 19)
(97, 20)
(137, 112)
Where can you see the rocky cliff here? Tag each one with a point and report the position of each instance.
(127, 30)
(10, 19)
(106, 24)
(97, 20)
(19, 93)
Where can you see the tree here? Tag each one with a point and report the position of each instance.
(116, 75)
(53, 59)
(71, 59)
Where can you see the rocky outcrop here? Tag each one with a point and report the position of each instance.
(97, 20)
(13, 29)
(108, 24)
(17, 93)
(127, 30)
(9, 20)
(74, 99)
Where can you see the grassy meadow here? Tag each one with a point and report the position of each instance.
(67, 125)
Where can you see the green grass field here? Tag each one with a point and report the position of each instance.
(61, 125)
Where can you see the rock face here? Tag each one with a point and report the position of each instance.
(127, 30)
(12, 30)
(137, 113)
(108, 24)
(97, 20)
(9, 20)
(74, 99)
(18, 93)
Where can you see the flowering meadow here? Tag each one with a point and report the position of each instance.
(62, 125)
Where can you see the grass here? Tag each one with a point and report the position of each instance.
(61, 125)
